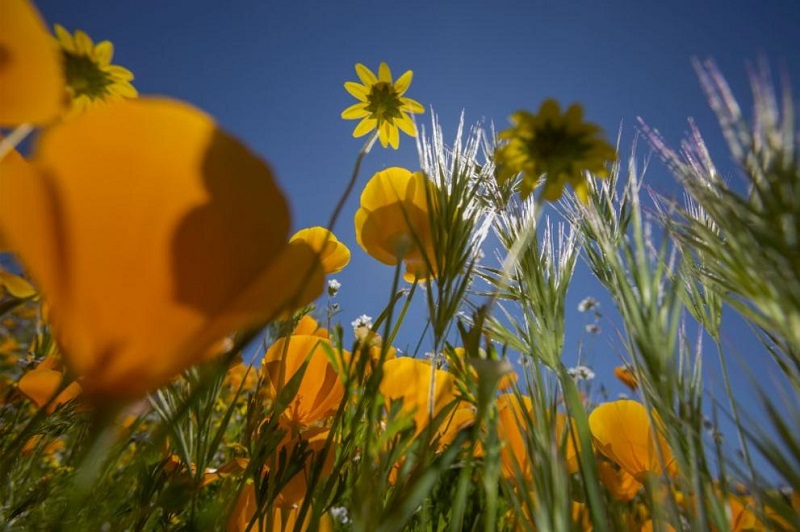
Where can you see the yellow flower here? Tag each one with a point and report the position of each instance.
(152, 235)
(381, 105)
(559, 147)
(333, 254)
(622, 432)
(91, 77)
(321, 390)
(393, 224)
(31, 78)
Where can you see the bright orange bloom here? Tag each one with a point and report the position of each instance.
(286, 503)
(622, 432)
(619, 482)
(309, 326)
(152, 234)
(31, 78)
(393, 224)
(333, 254)
(321, 390)
(514, 415)
(409, 380)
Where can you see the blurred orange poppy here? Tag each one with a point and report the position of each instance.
(152, 234)
(32, 86)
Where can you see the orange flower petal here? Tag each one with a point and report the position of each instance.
(31, 77)
(333, 254)
(153, 234)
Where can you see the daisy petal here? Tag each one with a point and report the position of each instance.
(407, 126)
(103, 53)
(364, 127)
(83, 43)
(366, 75)
(65, 38)
(411, 106)
(357, 90)
(124, 89)
(384, 74)
(355, 111)
(119, 73)
(384, 134)
(394, 137)
(403, 82)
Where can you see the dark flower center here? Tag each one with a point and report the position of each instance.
(84, 76)
(384, 103)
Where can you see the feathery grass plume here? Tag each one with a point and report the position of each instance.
(764, 287)
(740, 241)
(622, 252)
(459, 223)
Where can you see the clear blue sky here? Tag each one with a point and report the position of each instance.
(272, 74)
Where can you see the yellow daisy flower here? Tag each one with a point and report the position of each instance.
(560, 148)
(381, 105)
(91, 77)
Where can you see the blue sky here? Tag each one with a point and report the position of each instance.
(272, 74)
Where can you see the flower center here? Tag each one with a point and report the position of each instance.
(384, 103)
(84, 76)
(557, 146)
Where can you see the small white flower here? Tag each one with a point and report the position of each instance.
(581, 373)
(340, 515)
(333, 287)
(623, 396)
(588, 304)
(592, 328)
(362, 321)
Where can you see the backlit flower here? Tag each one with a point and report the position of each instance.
(514, 423)
(392, 224)
(321, 390)
(622, 432)
(91, 77)
(333, 254)
(31, 77)
(409, 380)
(152, 235)
(560, 148)
(381, 105)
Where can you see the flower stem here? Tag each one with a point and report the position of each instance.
(353, 178)
(14, 138)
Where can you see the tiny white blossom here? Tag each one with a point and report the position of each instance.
(592, 328)
(622, 395)
(581, 373)
(588, 304)
(362, 321)
(333, 287)
(340, 515)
